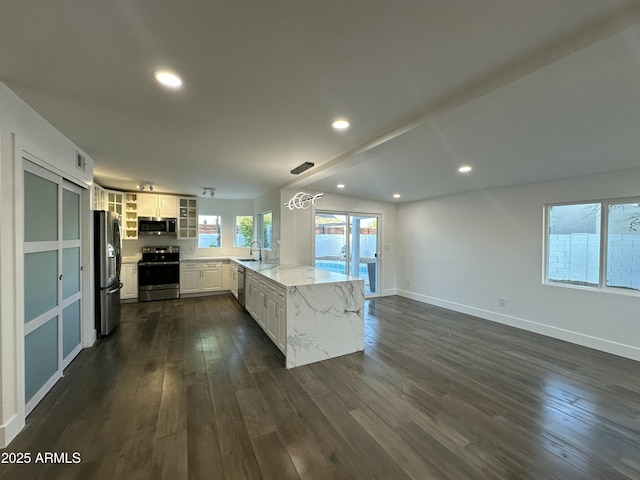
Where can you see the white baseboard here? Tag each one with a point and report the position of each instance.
(622, 350)
(387, 292)
(10, 430)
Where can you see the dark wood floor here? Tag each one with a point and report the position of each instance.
(192, 389)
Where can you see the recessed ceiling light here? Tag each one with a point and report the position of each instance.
(340, 124)
(396, 195)
(340, 185)
(465, 169)
(168, 79)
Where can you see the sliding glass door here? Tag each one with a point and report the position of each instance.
(348, 243)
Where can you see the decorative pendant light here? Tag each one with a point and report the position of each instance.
(302, 200)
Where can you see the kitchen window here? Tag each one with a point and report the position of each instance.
(594, 245)
(209, 231)
(265, 224)
(243, 231)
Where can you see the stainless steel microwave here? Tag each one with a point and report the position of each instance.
(153, 226)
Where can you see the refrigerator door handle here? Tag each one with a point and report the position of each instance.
(115, 289)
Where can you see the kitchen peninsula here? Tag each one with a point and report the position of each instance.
(309, 313)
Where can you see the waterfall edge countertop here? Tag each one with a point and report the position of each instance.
(318, 315)
(291, 275)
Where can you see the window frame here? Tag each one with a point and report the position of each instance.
(602, 286)
(235, 230)
(219, 232)
(259, 235)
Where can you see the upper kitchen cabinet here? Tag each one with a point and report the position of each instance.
(150, 205)
(98, 197)
(113, 201)
(104, 199)
(188, 219)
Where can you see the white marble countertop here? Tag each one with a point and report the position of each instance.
(204, 259)
(294, 275)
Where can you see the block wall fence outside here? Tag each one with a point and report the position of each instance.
(575, 257)
(330, 245)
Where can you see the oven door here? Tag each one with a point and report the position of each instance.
(158, 275)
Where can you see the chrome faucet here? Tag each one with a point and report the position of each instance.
(259, 249)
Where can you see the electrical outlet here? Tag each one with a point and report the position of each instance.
(502, 302)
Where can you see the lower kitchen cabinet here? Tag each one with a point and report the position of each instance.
(200, 277)
(251, 293)
(211, 277)
(129, 279)
(233, 278)
(190, 276)
(266, 302)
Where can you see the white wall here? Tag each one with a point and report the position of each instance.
(270, 201)
(296, 232)
(463, 252)
(55, 152)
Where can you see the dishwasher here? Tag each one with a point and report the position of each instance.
(240, 286)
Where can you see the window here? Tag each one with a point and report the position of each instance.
(243, 231)
(574, 244)
(623, 245)
(209, 231)
(594, 244)
(265, 223)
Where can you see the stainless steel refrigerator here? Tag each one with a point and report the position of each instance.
(107, 243)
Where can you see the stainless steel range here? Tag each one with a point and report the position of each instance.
(159, 274)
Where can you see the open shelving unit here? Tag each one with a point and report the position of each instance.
(130, 220)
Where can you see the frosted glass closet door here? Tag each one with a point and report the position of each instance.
(71, 272)
(41, 280)
(52, 279)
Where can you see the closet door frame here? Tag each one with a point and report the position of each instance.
(25, 162)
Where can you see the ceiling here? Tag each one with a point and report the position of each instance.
(522, 91)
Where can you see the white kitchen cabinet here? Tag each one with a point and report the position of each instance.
(276, 299)
(129, 279)
(113, 201)
(130, 221)
(233, 279)
(262, 305)
(151, 205)
(98, 197)
(271, 318)
(266, 302)
(188, 218)
(251, 293)
(211, 276)
(200, 277)
(190, 277)
(226, 276)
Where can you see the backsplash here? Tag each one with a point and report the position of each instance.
(188, 248)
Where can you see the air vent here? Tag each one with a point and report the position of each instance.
(81, 162)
